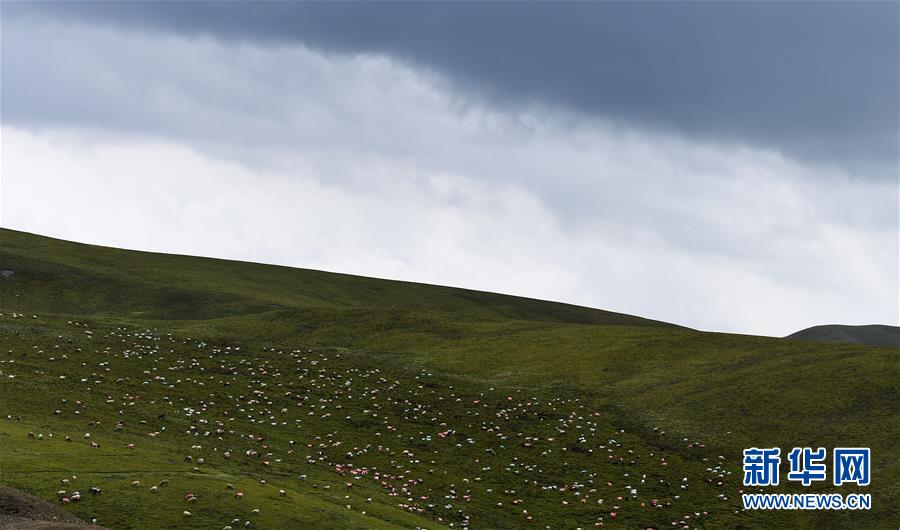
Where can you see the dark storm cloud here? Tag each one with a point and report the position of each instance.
(471, 146)
(818, 81)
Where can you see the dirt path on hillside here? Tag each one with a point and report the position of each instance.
(23, 511)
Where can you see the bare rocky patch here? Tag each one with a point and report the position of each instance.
(23, 511)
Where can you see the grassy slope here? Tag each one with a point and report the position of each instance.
(86, 279)
(876, 335)
(726, 392)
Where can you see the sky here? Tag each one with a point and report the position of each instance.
(725, 166)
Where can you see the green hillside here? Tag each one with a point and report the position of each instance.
(376, 404)
(874, 334)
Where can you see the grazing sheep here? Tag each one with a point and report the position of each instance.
(282, 493)
(153, 489)
(186, 513)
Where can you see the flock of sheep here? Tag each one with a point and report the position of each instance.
(463, 454)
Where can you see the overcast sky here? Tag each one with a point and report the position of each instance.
(725, 166)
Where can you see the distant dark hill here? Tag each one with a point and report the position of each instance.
(872, 335)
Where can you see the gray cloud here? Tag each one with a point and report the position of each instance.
(366, 164)
(815, 80)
